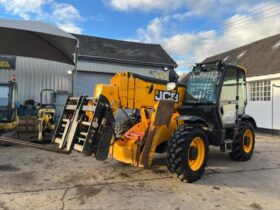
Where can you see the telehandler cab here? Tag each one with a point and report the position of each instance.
(181, 119)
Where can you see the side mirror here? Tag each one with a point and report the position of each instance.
(171, 86)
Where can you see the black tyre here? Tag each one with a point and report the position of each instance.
(187, 153)
(244, 144)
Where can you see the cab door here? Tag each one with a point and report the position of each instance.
(228, 102)
(242, 92)
(8, 98)
(4, 102)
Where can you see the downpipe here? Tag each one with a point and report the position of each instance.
(272, 107)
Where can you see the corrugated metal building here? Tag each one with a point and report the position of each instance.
(99, 59)
(33, 75)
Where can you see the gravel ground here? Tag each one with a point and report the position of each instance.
(34, 179)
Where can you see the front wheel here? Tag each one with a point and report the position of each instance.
(243, 146)
(187, 153)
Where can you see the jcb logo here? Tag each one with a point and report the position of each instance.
(166, 95)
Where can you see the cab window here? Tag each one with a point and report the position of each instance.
(4, 96)
(229, 88)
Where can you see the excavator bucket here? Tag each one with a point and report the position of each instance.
(86, 125)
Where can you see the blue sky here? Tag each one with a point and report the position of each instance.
(190, 30)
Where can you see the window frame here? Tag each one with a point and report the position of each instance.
(259, 90)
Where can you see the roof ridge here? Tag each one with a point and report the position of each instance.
(118, 40)
(260, 58)
(244, 46)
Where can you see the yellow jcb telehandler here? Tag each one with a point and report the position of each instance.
(181, 119)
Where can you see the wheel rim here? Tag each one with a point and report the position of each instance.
(248, 141)
(196, 154)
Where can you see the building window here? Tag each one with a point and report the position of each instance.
(260, 91)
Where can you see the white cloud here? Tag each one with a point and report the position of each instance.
(154, 30)
(260, 21)
(65, 16)
(248, 29)
(145, 5)
(193, 7)
(70, 27)
(24, 8)
(65, 12)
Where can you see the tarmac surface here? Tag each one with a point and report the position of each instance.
(35, 179)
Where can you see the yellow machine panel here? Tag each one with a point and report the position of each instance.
(127, 91)
(130, 91)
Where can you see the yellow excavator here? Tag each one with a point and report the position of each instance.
(8, 110)
(181, 119)
(9, 118)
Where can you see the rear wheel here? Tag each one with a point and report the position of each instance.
(187, 153)
(243, 146)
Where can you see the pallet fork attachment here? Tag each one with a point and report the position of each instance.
(86, 125)
(33, 145)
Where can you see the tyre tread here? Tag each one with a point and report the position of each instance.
(238, 153)
(176, 154)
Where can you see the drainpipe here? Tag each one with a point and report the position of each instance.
(272, 101)
(75, 68)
